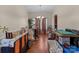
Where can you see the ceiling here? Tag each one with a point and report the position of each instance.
(39, 8)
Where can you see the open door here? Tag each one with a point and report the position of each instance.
(40, 25)
(44, 25)
(55, 22)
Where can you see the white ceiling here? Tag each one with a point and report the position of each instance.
(39, 8)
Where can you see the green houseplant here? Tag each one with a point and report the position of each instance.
(30, 23)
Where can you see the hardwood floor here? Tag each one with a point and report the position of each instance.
(40, 45)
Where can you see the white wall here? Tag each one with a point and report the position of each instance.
(48, 15)
(68, 17)
(14, 17)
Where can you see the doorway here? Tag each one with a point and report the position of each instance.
(41, 24)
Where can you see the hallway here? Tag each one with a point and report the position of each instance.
(40, 45)
(20, 25)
